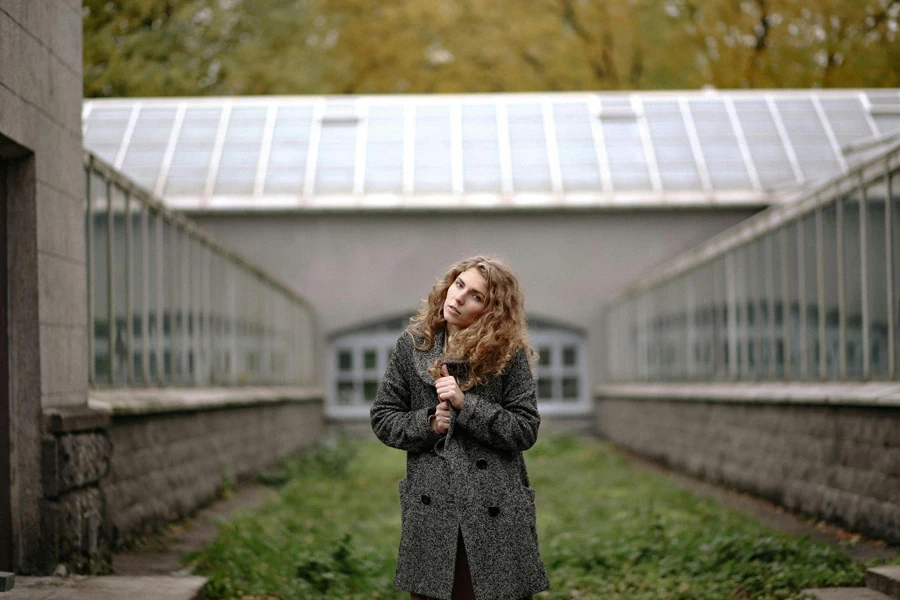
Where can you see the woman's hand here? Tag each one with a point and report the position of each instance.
(441, 422)
(448, 389)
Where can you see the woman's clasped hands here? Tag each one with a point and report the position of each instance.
(450, 395)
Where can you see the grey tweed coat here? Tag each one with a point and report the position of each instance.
(472, 478)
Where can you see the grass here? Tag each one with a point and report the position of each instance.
(606, 530)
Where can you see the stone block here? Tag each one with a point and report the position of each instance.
(60, 223)
(34, 70)
(66, 41)
(63, 359)
(59, 156)
(74, 524)
(10, 43)
(63, 290)
(65, 96)
(74, 460)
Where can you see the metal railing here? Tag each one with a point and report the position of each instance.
(170, 305)
(807, 290)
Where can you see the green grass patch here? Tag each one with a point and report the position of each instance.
(606, 529)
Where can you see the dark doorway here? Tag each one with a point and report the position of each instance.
(6, 549)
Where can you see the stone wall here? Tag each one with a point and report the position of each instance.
(840, 462)
(165, 463)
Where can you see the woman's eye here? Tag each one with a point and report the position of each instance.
(458, 283)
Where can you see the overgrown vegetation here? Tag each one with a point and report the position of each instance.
(607, 530)
(236, 47)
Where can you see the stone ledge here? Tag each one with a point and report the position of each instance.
(71, 419)
(880, 394)
(143, 401)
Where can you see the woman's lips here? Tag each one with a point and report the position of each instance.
(453, 309)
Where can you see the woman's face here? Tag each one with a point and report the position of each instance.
(465, 300)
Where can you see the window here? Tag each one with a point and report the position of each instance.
(358, 359)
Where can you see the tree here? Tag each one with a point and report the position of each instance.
(233, 47)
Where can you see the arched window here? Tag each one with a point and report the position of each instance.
(358, 357)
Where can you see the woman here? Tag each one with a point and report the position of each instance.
(458, 395)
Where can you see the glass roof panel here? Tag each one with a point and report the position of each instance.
(719, 144)
(188, 170)
(433, 171)
(887, 124)
(769, 154)
(337, 155)
(240, 153)
(193, 151)
(577, 152)
(481, 149)
(808, 137)
(674, 156)
(847, 119)
(624, 149)
(105, 130)
(528, 148)
(144, 156)
(287, 157)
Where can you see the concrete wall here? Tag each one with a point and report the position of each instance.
(840, 463)
(40, 144)
(165, 466)
(356, 268)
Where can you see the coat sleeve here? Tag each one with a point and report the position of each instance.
(513, 423)
(393, 421)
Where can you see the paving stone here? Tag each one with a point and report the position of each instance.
(107, 588)
(844, 594)
(884, 579)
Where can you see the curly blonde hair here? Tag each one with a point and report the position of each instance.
(495, 335)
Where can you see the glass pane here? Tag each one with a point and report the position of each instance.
(370, 388)
(432, 150)
(852, 287)
(481, 149)
(719, 145)
(138, 299)
(528, 148)
(100, 277)
(546, 358)
(337, 155)
(808, 137)
(569, 356)
(345, 360)
(570, 388)
(345, 392)
(675, 158)
(370, 359)
(577, 151)
(766, 148)
(793, 295)
(154, 294)
(545, 388)
(810, 311)
(831, 255)
(193, 151)
(171, 286)
(877, 280)
(120, 285)
(777, 300)
(144, 156)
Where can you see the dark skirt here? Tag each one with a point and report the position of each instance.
(462, 577)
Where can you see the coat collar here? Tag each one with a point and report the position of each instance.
(425, 358)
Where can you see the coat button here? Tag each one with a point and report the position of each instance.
(481, 463)
(494, 511)
(426, 499)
